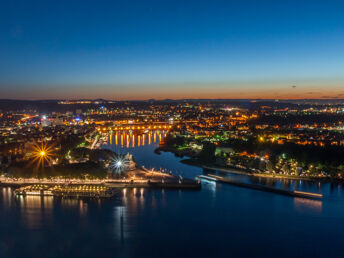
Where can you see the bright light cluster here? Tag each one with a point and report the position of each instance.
(42, 154)
(118, 164)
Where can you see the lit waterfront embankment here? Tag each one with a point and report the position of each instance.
(166, 183)
(262, 187)
(120, 183)
(6, 181)
(141, 178)
(266, 175)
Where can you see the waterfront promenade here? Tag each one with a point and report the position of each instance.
(160, 180)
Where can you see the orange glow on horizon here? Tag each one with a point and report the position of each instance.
(313, 89)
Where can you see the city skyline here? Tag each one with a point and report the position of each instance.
(171, 128)
(130, 50)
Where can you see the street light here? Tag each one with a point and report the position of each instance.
(42, 154)
(118, 164)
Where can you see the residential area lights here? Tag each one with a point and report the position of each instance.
(245, 138)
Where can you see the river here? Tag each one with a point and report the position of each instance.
(218, 221)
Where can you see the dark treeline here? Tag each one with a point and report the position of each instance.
(328, 155)
(77, 170)
(95, 155)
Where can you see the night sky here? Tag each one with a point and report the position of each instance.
(171, 49)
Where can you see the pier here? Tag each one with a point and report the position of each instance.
(170, 183)
(262, 187)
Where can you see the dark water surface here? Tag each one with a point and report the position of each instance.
(217, 221)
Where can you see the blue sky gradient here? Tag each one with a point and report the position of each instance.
(171, 49)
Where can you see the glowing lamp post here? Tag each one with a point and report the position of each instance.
(118, 164)
(42, 154)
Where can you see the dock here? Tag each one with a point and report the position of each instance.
(292, 193)
(169, 183)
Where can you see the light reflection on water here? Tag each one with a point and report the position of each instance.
(209, 185)
(302, 204)
(144, 155)
(176, 223)
(130, 140)
(120, 223)
(35, 210)
(143, 152)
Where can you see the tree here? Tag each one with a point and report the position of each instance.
(207, 153)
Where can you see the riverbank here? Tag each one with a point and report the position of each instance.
(234, 171)
(138, 178)
(193, 162)
(291, 193)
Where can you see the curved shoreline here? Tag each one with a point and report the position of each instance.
(193, 162)
(257, 175)
(234, 171)
(293, 193)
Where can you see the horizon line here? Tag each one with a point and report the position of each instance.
(167, 99)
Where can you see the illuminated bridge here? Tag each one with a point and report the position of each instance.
(143, 127)
(137, 126)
